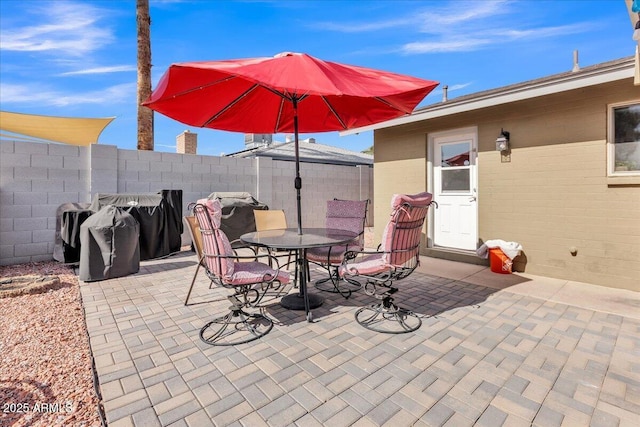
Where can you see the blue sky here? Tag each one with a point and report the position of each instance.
(78, 58)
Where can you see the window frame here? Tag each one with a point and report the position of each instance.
(611, 153)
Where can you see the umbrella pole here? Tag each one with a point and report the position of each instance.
(298, 181)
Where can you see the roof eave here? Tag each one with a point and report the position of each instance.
(599, 74)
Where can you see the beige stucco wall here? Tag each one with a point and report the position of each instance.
(554, 193)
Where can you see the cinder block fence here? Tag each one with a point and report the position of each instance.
(36, 178)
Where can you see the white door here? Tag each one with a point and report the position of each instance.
(454, 172)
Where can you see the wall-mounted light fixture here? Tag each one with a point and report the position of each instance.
(502, 142)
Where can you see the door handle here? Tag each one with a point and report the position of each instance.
(472, 198)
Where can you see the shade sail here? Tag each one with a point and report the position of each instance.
(68, 130)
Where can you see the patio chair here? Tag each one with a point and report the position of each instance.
(344, 215)
(191, 224)
(396, 258)
(249, 280)
(272, 220)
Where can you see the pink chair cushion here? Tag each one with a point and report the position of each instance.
(350, 224)
(393, 243)
(404, 238)
(234, 273)
(342, 215)
(420, 199)
(346, 215)
(369, 265)
(214, 241)
(247, 273)
(215, 210)
(346, 208)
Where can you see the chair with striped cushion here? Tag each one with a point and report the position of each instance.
(396, 258)
(249, 280)
(347, 215)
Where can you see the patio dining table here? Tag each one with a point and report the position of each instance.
(289, 238)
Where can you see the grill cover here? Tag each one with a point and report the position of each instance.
(237, 213)
(159, 216)
(109, 245)
(69, 217)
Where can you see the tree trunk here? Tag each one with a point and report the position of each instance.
(145, 115)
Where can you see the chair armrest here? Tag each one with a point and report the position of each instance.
(350, 255)
(241, 245)
(246, 257)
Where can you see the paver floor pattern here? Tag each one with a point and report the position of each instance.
(482, 357)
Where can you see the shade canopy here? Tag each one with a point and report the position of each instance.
(67, 130)
(255, 95)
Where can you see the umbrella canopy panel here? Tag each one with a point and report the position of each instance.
(256, 95)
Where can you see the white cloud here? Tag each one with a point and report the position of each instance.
(432, 20)
(164, 2)
(543, 32)
(450, 88)
(366, 26)
(476, 39)
(63, 27)
(455, 19)
(38, 94)
(456, 28)
(452, 45)
(101, 70)
(459, 86)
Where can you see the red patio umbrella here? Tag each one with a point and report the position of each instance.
(290, 92)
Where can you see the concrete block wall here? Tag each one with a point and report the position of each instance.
(319, 184)
(36, 178)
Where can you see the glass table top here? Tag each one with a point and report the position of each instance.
(290, 239)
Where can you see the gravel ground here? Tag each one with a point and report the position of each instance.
(46, 378)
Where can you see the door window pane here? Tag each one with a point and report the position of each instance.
(456, 180)
(453, 155)
(455, 167)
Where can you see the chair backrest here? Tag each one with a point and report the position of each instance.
(270, 219)
(215, 244)
(191, 223)
(347, 215)
(401, 236)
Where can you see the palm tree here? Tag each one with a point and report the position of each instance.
(145, 115)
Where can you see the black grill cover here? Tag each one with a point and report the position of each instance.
(159, 216)
(109, 245)
(237, 213)
(69, 217)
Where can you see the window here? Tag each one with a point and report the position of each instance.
(624, 139)
(455, 167)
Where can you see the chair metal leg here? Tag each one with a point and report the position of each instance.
(236, 327)
(193, 281)
(388, 318)
(340, 286)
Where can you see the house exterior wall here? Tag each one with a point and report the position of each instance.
(553, 195)
(36, 178)
(399, 167)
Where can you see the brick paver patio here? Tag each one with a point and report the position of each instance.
(493, 350)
